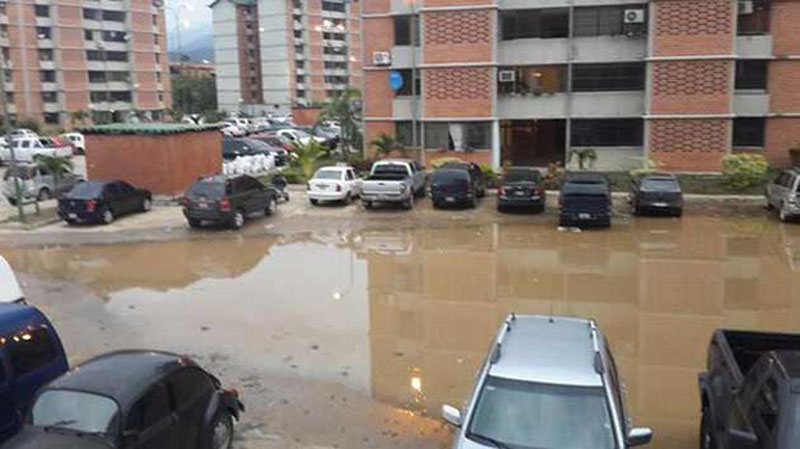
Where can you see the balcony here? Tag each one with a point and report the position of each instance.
(110, 25)
(584, 104)
(755, 46)
(334, 58)
(44, 43)
(49, 87)
(47, 65)
(752, 103)
(402, 56)
(586, 49)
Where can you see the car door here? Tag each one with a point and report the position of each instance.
(258, 194)
(776, 190)
(129, 196)
(237, 194)
(191, 391)
(351, 183)
(152, 422)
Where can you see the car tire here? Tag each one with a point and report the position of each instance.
(272, 207)
(147, 204)
(367, 204)
(706, 434)
(313, 201)
(409, 203)
(679, 213)
(782, 215)
(194, 223)
(347, 198)
(107, 217)
(220, 433)
(12, 201)
(237, 221)
(564, 223)
(473, 202)
(70, 221)
(43, 195)
(539, 209)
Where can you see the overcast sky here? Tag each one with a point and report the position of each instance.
(195, 18)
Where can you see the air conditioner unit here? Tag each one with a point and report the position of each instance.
(507, 76)
(745, 7)
(633, 16)
(381, 58)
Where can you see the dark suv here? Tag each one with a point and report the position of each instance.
(222, 200)
(585, 200)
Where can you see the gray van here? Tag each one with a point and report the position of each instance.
(783, 194)
(36, 182)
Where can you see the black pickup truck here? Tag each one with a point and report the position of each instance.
(751, 392)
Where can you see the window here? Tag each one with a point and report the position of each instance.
(335, 50)
(299, 93)
(408, 88)
(76, 410)
(335, 65)
(114, 16)
(298, 34)
(51, 118)
(114, 36)
(748, 132)
(607, 132)
(756, 22)
(30, 350)
(47, 76)
(45, 55)
(404, 133)
(402, 30)
(118, 76)
(608, 77)
(158, 77)
(298, 49)
(155, 39)
(300, 79)
(8, 76)
(41, 10)
(333, 36)
(118, 56)
(599, 21)
(155, 19)
(98, 96)
(88, 35)
(158, 58)
(535, 23)
(333, 6)
(44, 33)
(94, 55)
(149, 410)
(49, 97)
(458, 136)
(124, 96)
(97, 77)
(10, 97)
(91, 14)
(4, 31)
(751, 74)
(161, 96)
(534, 80)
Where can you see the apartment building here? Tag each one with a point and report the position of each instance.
(97, 60)
(272, 55)
(681, 82)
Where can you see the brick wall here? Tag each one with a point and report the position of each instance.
(782, 134)
(378, 95)
(375, 129)
(690, 145)
(785, 27)
(458, 36)
(691, 27)
(444, 3)
(458, 92)
(692, 87)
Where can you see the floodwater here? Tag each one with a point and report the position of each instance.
(406, 316)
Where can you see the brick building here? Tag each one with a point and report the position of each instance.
(105, 58)
(272, 55)
(191, 70)
(682, 82)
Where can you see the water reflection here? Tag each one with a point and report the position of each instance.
(408, 315)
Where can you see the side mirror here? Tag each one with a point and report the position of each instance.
(639, 436)
(742, 439)
(451, 415)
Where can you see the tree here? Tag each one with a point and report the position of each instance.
(343, 111)
(194, 95)
(307, 158)
(57, 165)
(385, 144)
(79, 116)
(214, 116)
(586, 157)
(175, 114)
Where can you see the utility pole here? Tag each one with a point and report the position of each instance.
(7, 121)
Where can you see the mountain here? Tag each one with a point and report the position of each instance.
(197, 47)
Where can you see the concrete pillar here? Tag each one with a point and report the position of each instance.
(496, 144)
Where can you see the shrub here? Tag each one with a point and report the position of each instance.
(437, 163)
(385, 144)
(492, 177)
(554, 176)
(744, 170)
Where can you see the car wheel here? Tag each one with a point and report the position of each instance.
(147, 204)
(313, 201)
(706, 435)
(409, 203)
(238, 220)
(108, 216)
(540, 209)
(221, 431)
(782, 215)
(12, 201)
(194, 223)
(501, 208)
(272, 206)
(44, 195)
(367, 204)
(679, 213)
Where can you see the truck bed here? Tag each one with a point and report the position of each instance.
(745, 347)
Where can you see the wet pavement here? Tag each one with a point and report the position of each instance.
(355, 338)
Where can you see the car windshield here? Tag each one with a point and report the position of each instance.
(20, 171)
(74, 410)
(328, 174)
(206, 189)
(522, 176)
(394, 169)
(86, 190)
(528, 415)
(669, 185)
(449, 177)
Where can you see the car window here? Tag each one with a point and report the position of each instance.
(616, 387)
(766, 406)
(350, 175)
(206, 188)
(253, 184)
(25, 144)
(188, 385)
(335, 175)
(111, 189)
(150, 409)
(30, 350)
(76, 410)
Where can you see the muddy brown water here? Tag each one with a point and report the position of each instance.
(407, 316)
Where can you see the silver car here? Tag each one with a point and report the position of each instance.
(783, 194)
(548, 383)
(37, 182)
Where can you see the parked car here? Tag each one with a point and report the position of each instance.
(275, 140)
(321, 135)
(231, 129)
(783, 194)
(10, 292)
(477, 178)
(132, 399)
(78, 142)
(749, 393)
(102, 202)
(26, 148)
(254, 145)
(36, 181)
(338, 183)
(296, 136)
(521, 187)
(585, 199)
(221, 200)
(31, 355)
(22, 132)
(548, 382)
(393, 181)
(453, 186)
(656, 193)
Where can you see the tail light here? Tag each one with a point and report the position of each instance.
(338, 187)
(91, 205)
(538, 191)
(501, 190)
(224, 205)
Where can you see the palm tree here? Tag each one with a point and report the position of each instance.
(385, 144)
(343, 111)
(586, 157)
(57, 165)
(307, 157)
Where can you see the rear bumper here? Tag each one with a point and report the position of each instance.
(79, 215)
(660, 205)
(384, 197)
(327, 196)
(585, 217)
(207, 215)
(792, 209)
(527, 201)
(445, 198)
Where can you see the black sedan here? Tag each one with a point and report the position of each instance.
(132, 399)
(521, 187)
(476, 175)
(102, 202)
(656, 193)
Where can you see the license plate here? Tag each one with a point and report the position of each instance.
(72, 216)
(450, 199)
(659, 204)
(203, 205)
(585, 216)
(322, 187)
(519, 193)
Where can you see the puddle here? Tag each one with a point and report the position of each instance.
(407, 316)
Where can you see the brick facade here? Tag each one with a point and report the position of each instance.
(692, 87)
(690, 145)
(458, 92)
(461, 36)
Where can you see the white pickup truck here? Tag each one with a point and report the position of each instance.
(26, 149)
(393, 181)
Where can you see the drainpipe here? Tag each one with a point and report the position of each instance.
(570, 59)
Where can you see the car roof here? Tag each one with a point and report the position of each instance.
(451, 172)
(121, 375)
(659, 176)
(13, 316)
(335, 167)
(554, 350)
(586, 178)
(9, 287)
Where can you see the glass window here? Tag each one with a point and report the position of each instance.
(30, 350)
(119, 56)
(190, 384)
(350, 175)
(408, 89)
(404, 133)
(149, 410)
(329, 174)
(45, 55)
(47, 76)
(532, 415)
(608, 77)
(599, 21)
(534, 23)
(532, 80)
(522, 175)
(402, 30)
(114, 16)
(97, 77)
(76, 410)
(751, 74)
(91, 14)
(49, 97)
(207, 188)
(86, 190)
(333, 6)
(123, 96)
(607, 132)
(748, 132)
(41, 10)
(755, 21)
(44, 33)
(458, 136)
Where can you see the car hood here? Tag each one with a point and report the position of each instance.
(35, 438)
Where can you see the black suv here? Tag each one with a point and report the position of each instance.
(476, 175)
(585, 200)
(451, 186)
(222, 200)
